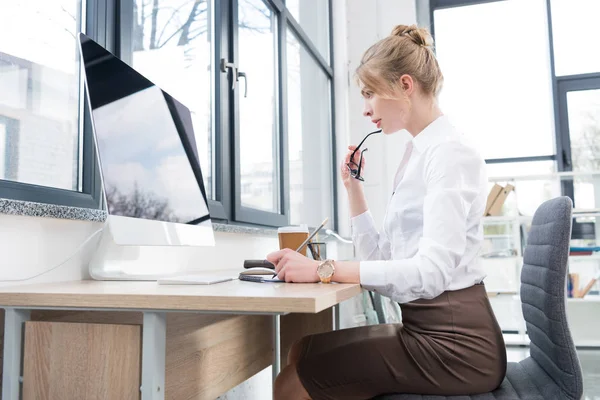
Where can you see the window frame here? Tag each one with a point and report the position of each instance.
(285, 21)
(96, 16)
(110, 23)
(227, 207)
(565, 84)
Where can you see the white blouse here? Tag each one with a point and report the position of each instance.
(432, 230)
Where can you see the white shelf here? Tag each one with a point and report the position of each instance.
(506, 218)
(577, 213)
(593, 257)
(592, 298)
(587, 343)
(539, 177)
(516, 339)
(588, 299)
(506, 236)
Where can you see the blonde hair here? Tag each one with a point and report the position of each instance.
(408, 50)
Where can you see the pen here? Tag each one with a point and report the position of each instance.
(312, 235)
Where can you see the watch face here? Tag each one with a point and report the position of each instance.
(325, 270)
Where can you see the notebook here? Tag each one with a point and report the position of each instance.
(259, 278)
(258, 274)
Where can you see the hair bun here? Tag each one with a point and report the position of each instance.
(418, 35)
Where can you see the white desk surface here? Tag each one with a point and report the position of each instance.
(233, 296)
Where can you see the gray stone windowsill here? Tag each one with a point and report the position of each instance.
(247, 230)
(33, 209)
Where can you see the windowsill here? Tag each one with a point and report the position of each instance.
(33, 209)
(246, 230)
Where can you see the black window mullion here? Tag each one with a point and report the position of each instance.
(562, 143)
(100, 23)
(277, 5)
(520, 159)
(124, 28)
(440, 4)
(333, 143)
(222, 207)
(284, 172)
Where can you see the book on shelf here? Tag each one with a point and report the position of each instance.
(573, 286)
(580, 251)
(496, 199)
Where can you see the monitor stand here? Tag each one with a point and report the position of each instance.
(118, 255)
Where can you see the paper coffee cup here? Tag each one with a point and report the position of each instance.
(291, 237)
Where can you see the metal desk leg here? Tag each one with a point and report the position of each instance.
(154, 341)
(276, 346)
(336, 317)
(13, 350)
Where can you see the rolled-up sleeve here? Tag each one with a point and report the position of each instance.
(453, 176)
(368, 242)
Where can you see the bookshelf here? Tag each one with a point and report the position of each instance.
(502, 254)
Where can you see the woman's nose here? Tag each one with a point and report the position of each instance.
(367, 112)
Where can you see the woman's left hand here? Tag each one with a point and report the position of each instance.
(292, 266)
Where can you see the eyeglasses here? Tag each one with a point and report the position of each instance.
(352, 166)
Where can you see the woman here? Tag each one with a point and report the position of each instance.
(449, 342)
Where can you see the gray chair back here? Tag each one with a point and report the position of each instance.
(543, 297)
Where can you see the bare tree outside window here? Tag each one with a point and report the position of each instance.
(585, 148)
(139, 204)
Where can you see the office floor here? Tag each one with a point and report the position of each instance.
(590, 364)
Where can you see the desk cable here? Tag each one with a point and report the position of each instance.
(86, 241)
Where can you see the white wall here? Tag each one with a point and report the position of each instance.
(366, 23)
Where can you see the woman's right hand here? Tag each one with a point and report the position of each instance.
(349, 181)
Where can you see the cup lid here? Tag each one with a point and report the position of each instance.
(293, 229)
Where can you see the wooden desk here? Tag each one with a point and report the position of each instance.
(154, 302)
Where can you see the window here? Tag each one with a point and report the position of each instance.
(313, 17)
(256, 76)
(575, 27)
(171, 46)
(497, 86)
(281, 118)
(39, 93)
(309, 122)
(579, 102)
(264, 138)
(530, 102)
(9, 129)
(258, 107)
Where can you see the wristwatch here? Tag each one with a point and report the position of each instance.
(325, 270)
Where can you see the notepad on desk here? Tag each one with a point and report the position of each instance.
(258, 274)
(259, 278)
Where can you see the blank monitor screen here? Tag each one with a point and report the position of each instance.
(145, 141)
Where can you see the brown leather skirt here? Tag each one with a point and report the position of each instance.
(449, 345)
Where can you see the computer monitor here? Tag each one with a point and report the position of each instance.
(151, 177)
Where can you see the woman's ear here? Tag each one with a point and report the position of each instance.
(407, 84)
